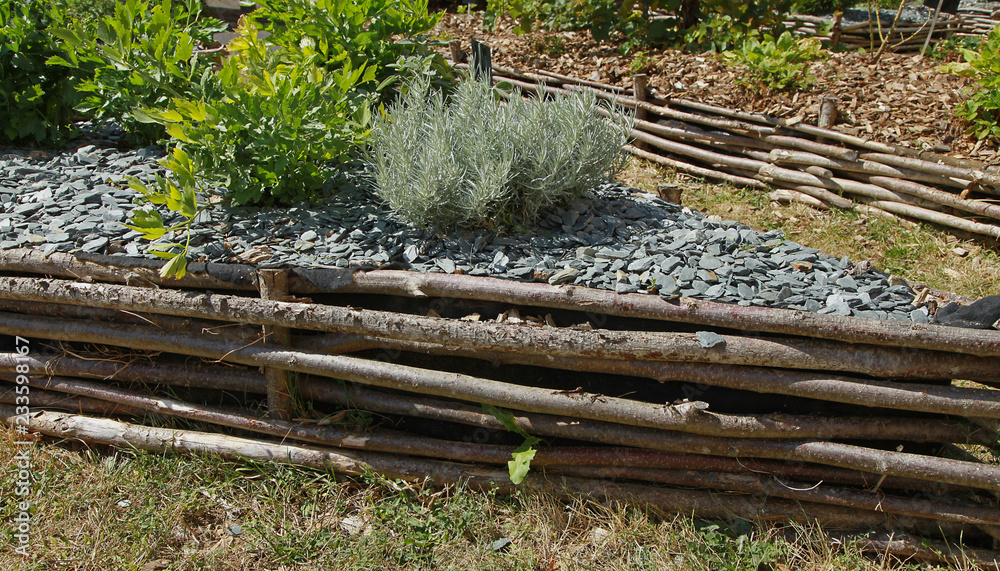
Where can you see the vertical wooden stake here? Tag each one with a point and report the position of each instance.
(456, 51)
(273, 285)
(828, 113)
(835, 33)
(639, 83)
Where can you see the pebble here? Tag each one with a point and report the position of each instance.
(611, 238)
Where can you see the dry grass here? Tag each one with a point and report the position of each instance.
(118, 510)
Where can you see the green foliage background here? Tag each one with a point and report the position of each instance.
(141, 56)
(982, 108)
(36, 101)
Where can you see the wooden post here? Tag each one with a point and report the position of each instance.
(456, 51)
(273, 285)
(639, 82)
(835, 33)
(827, 113)
(827, 116)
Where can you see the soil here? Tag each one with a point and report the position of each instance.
(901, 98)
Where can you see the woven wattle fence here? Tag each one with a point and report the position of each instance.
(695, 407)
(816, 165)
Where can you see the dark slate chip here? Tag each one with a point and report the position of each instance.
(709, 339)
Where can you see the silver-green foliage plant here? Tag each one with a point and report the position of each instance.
(471, 162)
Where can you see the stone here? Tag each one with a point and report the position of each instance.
(641, 265)
(710, 340)
(411, 253)
(848, 283)
(624, 287)
(710, 263)
(94, 245)
(563, 276)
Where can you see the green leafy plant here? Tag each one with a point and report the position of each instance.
(385, 36)
(698, 24)
(179, 194)
(819, 7)
(776, 64)
(277, 127)
(477, 164)
(982, 108)
(949, 49)
(142, 56)
(605, 19)
(642, 63)
(734, 548)
(552, 46)
(519, 466)
(36, 101)
(422, 518)
(90, 12)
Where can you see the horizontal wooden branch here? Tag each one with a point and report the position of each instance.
(135, 370)
(701, 504)
(784, 156)
(41, 399)
(952, 400)
(694, 169)
(751, 483)
(546, 425)
(792, 353)
(687, 310)
(450, 385)
(643, 464)
(941, 218)
(901, 464)
(166, 322)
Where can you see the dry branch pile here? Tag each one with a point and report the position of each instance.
(874, 34)
(811, 164)
(968, 21)
(782, 415)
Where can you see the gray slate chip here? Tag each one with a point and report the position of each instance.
(95, 245)
(70, 204)
(709, 339)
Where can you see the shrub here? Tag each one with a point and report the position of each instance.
(142, 56)
(36, 101)
(385, 36)
(89, 12)
(982, 108)
(606, 19)
(277, 124)
(820, 7)
(477, 164)
(698, 24)
(776, 64)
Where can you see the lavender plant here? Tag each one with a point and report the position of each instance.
(474, 163)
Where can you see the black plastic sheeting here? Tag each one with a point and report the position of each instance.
(982, 314)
